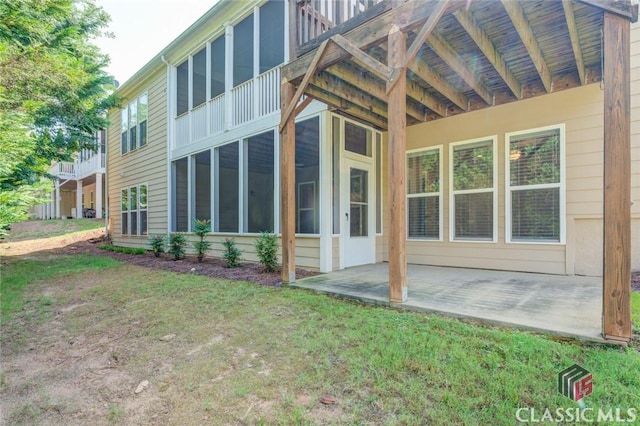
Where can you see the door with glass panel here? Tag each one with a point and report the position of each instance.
(358, 201)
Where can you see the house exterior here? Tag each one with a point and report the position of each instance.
(480, 145)
(79, 185)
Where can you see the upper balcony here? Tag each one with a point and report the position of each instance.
(86, 164)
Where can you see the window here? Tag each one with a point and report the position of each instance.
(133, 125)
(199, 77)
(260, 179)
(378, 183)
(308, 176)
(227, 188)
(357, 139)
(134, 210)
(473, 194)
(335, 169)
(534, 195)
(182, 88)
(271, 35)
(243, 51)
(91, 201)
(217, 67)
(424, 194)
(202, 181)
(181, 195)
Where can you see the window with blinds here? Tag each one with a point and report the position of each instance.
(424, 194)
(473, 190)
(534, 186)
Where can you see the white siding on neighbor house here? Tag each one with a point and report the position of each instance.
(145, 165)
(580, 110)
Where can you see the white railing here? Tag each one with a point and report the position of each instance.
(268, 92)
(79, 169)
(64, 169)
(217, 115)
(242, 100)
(248, 101)
(89, 166)
(103, 160)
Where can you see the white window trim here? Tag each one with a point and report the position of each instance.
(440, 149)
(127, 108)
(137, 210)
(494, 190)
(562, 185)
(377, 136)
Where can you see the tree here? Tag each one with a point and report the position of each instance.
(54, 94)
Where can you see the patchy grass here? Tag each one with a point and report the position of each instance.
(635, 311)
(125, 250)
(35, 229)
(233, 352)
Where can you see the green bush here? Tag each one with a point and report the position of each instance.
(124, 250)
(201, 228)
(267, 250)
(177, 243)
(157, 244)
(232, 254)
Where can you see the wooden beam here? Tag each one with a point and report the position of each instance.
(521, 24)
(287, 188)
(624, 8)
(569, 16)
(397, 174)
(347, 107)
(616, 288)
(293, 28)
(363, 59)
(425, 32)
(367, 101)
(371, 86)
(448, 54)
(435, 80)
(308, 75)
(484, 43)
(407, 16)
(302, 105)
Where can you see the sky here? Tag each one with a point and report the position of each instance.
(142, 28)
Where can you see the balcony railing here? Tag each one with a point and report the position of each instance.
(251, 100)
(79, 169)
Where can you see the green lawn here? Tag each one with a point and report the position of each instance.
(259, 355)
(34, 229)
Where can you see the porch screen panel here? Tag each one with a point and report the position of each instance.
(423, 194)
(217, 67)
(199, 78)
(271, 35)
(227, 187)
(181, 195)
(357, 139)
(473, 191)
(378, 183)
(534, 185)
(308, 176)
(335, 157)
(260, 183)
(243, 51)
(182, 88)
(124, 209)
(202, 190)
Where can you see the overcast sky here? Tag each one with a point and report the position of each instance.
(142, 28)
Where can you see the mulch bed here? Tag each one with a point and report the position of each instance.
(210, 267)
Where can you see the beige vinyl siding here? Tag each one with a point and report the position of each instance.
(335, 253)
(581, 112)
(635, 147)
(145, 165)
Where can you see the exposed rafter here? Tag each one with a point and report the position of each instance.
(569, 15)
(425, 32)
(521, 24)
(484, 43)
(363, 59)
(325, 81)
(436, 81)
(346, 106)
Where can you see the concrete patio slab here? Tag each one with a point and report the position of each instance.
(562, 305)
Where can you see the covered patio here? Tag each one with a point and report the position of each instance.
(563, 305)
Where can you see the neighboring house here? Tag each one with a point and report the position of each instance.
(502, 163)
(79, 186)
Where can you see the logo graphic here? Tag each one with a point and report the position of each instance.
(575, 382)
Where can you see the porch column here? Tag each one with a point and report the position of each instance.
(287, 187)
(54, 213)
(397, 175)
(98, 195)
(57, 195)
(78, 199)
(616, 296)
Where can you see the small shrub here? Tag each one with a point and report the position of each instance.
(232, 254)
(177, 243)
(267, 250)
(201, 228)
(157, 244)
(124, 250)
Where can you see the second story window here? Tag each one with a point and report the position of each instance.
(133, 124)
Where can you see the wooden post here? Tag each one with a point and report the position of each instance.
(287, 187)
(397, 102)
(616, 296)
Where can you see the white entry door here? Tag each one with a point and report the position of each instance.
(358, 213)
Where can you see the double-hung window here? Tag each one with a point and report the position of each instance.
(134, 210)
(473, 196)
(424, 194)
(535, 172)
(133, 124)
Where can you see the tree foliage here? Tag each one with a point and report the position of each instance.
(54, 93)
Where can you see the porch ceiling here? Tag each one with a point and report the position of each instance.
(475, 54)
